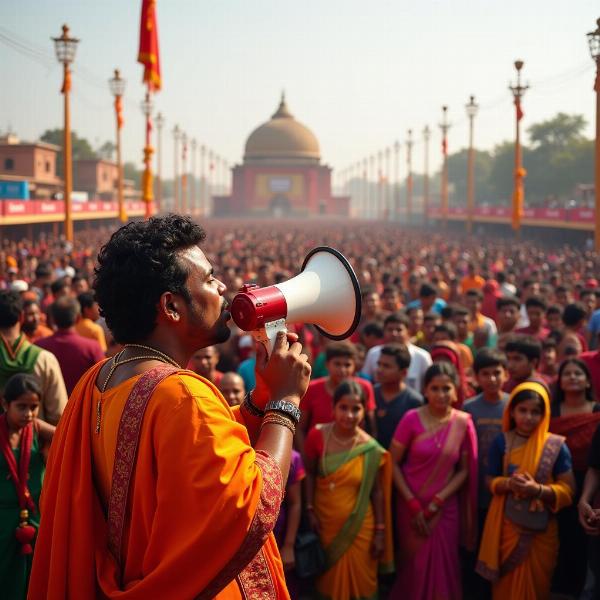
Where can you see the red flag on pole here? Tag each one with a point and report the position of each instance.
(148, 53)
(520, 113)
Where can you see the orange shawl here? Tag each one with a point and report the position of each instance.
(201, 500)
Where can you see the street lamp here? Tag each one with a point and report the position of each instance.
(379, 186)
(365, 186)
(444, 126)
(117, 89)
(184, 143)
(372, 191)
(147, 108)
(194, 145)
(176, 138)
(472, 108)
(594, 43)
(160, 121)
(426, 137)
(65, 47)
(396, 199)
(518, 203)
(409, 179)
(387, 202)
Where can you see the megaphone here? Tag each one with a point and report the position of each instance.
(325, 293)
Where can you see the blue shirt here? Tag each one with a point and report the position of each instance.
(594, 328)
(437, 306)
(487, 418)
(563, 462)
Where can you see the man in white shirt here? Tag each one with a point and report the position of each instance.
(395, 330)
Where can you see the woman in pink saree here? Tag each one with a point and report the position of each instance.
(434, 452)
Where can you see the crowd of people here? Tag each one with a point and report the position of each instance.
(450, 448)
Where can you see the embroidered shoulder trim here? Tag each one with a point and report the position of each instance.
(249, 564)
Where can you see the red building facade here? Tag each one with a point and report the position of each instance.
(281, 174)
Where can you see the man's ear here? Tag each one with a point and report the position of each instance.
(168, 307)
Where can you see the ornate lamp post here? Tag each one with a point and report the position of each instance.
(176, 138)
(117, 89)
(365, 186)
(194, 145)
(147, 108)
(372, 213)
(65, 47)
(472, 108)
(160, 121)
(409, 178)
(594, 43)
(202, 180)
(388, 190)
(396, 201)
(379, 209)
(426, 137)
(444, 126)
(518, 202)
(184, 143)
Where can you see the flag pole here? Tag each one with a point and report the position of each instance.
(147, 192)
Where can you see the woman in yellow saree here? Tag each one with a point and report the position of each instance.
(348, 494)
(530, 476)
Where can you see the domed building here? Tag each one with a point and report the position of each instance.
(281, 174)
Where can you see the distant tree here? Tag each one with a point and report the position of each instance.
(558, 132)
(107, 150)
(80, 147)
(457, 174)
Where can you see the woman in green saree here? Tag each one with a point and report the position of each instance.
(349, 486)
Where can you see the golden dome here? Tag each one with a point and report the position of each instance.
(282, 138)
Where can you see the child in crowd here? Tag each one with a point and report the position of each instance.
(24, 440)
(393, 397)
(530, 478)
(317, 404)
(523, 354)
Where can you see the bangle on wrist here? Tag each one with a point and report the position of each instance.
(251, 408)
(285, 408)
(278, 419)
(414, 506)
(540, 492)
(437, 501)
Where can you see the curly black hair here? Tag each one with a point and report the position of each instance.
(136, 266)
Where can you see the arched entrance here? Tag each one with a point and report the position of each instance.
(280, 207)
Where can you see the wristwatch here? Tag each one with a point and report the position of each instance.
(289, 409)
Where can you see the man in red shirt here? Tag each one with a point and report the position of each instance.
(317, 404)
(536, 311)
(75, 353)
(204, 363)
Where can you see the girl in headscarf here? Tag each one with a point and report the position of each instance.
(448, 351)
(530, 476)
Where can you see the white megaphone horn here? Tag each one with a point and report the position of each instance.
(325, 293)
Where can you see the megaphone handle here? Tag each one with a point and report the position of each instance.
(266, 335)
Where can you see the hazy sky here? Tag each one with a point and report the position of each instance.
(358, 73)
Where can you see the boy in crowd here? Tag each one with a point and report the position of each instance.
(430, 321)
(536, 309)
(317, 404)
(508, 314)
(554, 318)
(549, 362)
(395, 330)
(477, 320)
(393, 397)
(574, 319)
(523, 354)
(486, 410)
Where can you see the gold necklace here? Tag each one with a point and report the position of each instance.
(117, 362)
(437, 426)
(165, 357)
(325, 474)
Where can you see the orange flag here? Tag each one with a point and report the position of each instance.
(148, 54)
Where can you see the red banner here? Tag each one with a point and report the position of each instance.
(148, 53)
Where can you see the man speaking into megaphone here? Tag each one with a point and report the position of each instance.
(155, 487)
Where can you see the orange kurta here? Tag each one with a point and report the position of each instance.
(195, 499)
